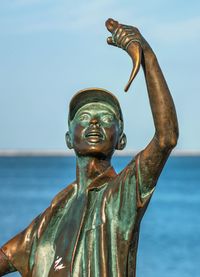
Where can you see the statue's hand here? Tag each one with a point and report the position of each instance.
(129, 39)
(122, 35)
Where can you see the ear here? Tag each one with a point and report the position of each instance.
(68, 140)
(121, 142)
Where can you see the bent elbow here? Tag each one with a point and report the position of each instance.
(173, 142)
(168, 142)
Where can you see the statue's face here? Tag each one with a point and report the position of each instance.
(95, 130)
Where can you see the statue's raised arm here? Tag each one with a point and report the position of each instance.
(154, 156)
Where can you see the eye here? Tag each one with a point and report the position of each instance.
(84, 117)
(107, 118)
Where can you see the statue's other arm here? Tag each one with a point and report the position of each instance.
(5, 266)
(154, 156)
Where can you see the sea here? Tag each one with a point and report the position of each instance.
(169, 244)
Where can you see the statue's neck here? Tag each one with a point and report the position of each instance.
(88, 168)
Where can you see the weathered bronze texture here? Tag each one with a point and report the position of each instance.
(92, 227)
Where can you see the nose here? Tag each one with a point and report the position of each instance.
(95, 122)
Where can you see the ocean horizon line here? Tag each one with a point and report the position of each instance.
(69, 153)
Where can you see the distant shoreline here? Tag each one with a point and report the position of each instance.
(62, 153)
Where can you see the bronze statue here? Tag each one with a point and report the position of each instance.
(92, 227)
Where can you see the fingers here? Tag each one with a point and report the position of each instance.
(111, 25)
(110, 41)
(121, 34)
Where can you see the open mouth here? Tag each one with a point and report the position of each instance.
(94, 136)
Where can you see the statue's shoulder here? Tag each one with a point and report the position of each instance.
(64, 194)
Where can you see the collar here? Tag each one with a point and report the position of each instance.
(101, 180)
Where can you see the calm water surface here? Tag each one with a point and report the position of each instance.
(170, 232)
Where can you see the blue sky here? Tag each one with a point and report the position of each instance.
(51, 49)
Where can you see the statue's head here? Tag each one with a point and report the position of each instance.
(95, 123)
